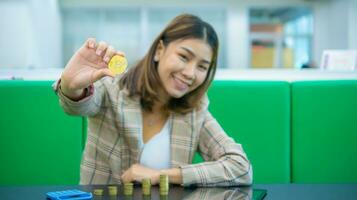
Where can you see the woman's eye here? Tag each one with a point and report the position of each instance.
(203, 68)
(183, 58)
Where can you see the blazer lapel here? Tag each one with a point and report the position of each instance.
(131, 124)
(183, 138)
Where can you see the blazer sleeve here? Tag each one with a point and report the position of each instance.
(226, 164)
(88, 106)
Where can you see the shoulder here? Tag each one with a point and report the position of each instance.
(110, 87)
(200, 112)
(111, 84)
(108, 81)
(203, 104)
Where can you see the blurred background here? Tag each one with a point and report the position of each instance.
(285, 88)
(42, 35)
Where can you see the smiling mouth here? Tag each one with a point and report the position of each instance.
(180, 84)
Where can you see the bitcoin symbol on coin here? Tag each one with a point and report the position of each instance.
(117, 64)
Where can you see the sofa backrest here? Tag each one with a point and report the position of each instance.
(257, 115)
(301, 132)
(39, 143)
(324, 131)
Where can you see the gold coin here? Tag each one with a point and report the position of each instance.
(112, 187)
(146, 186)
(164, 184)
(117, 64)
(112, 190)
(128, 188)
(98, 192)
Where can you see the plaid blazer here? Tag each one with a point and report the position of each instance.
(114, 140)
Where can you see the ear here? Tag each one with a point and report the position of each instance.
(159, 51)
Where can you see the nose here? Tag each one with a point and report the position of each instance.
(189, 71)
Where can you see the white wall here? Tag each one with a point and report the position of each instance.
(237, 19)
(15, 34)
(335, 26)
(31, 34)
(352, 19)
(47, 38)
(237, 37)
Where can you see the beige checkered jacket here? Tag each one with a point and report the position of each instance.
(114, 140)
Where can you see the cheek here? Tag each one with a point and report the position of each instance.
(200, 78)
(170, 64)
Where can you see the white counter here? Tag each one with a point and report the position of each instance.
(252, 74)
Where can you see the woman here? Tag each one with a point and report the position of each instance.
(153, 118)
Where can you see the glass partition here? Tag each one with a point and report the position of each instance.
(131, 29)
(280, 37)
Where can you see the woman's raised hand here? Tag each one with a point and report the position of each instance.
(87, 65)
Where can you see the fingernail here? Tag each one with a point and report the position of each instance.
(106, 59)
(98, 52)
(91, 45)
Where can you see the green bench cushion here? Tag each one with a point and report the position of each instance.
(39, 143)
(257, 115)
(324, 131)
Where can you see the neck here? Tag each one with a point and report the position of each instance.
(159, 107)
(160, 104)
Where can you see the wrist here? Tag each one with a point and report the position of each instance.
(175, 175)
(74, 95)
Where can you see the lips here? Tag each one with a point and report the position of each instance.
(179, 84)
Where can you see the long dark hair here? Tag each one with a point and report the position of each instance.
(143, 78)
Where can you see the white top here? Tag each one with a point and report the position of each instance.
(156, 152)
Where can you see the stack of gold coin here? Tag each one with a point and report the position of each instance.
(112, 190)
(146, 184)
(164, 197)
(147, 197)
(98, 192)
(117, 64)
(128, 188)
(164, 184)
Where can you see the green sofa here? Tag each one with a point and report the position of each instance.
(257, 115)
(324, 132)
(39, 143)
(300, 132)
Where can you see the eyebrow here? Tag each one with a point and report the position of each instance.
(193, 54)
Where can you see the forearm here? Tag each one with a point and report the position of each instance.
(227, 171)
(88, 105)
(175, 175)
(73, 94)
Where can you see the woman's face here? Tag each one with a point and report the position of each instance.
(183, 65)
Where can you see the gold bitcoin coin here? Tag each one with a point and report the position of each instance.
(117, 64)
(112, 190)
(164, 184)
(128, 188)
(98, 192)
(146, 186)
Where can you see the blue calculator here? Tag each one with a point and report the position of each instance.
(69, 194)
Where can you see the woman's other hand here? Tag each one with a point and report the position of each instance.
(139, 172)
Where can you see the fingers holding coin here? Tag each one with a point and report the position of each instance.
(91, 43)
(109, 54)
(116, 61)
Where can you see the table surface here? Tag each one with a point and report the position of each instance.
(274, 191)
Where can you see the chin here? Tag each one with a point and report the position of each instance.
(177, 94)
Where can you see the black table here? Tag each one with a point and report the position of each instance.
(278, 191)
(310, 191)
